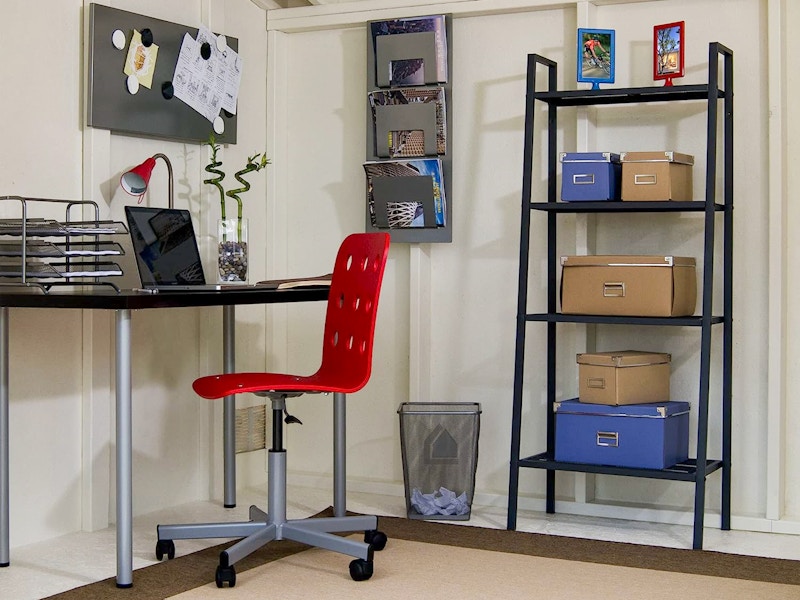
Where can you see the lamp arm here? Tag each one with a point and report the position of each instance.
(169, 172)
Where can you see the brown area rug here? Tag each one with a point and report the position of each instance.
(184, 573)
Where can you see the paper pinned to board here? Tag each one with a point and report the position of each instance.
(141, 60)
(207, 85)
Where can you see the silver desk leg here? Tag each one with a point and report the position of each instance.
(339, 454)
(229, 407)
(124, 451)
(5, 556)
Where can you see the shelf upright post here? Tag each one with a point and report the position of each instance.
(522, 293)
(727, 253)
(5, 552)
(714, 51)
(708, 286)
(552, 271)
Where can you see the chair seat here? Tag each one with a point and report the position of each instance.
(218, 386)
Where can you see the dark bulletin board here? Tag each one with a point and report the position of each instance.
(147, 112)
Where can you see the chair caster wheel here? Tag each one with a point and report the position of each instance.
(360, 569)
(224, 574)
(165, 547)
(376, 538)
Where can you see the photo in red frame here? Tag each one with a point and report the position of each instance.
(668, 51)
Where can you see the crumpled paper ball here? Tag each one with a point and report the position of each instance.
(443, 502)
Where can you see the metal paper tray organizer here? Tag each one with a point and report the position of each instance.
(42, 252)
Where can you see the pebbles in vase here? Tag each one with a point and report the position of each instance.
(233, 261)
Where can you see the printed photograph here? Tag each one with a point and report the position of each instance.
(668, 51)
(596, 56)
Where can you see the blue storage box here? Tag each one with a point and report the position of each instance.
(646, 436)
(590, 176)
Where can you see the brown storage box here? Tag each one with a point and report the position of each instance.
(656, 176)
(623, 377)
(643, 286)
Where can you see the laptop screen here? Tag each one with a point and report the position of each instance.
(165, 246)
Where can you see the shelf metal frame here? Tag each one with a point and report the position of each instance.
(718, 90)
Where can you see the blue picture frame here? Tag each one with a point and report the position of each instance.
(596, 61)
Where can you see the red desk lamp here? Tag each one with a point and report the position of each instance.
(136, 180)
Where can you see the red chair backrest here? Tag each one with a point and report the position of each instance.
(352, 309)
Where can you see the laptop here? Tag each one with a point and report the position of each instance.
(166, 251)
(168, 259)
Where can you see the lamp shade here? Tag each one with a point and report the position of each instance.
(135, 181)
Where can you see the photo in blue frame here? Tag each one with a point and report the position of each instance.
(596, 56)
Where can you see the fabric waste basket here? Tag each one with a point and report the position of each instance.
(439, 444)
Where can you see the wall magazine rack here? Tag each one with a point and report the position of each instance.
(408, 156)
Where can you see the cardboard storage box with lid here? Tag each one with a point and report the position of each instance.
(654, 176)
(623, 377)
(628, 285)
(590, 176)
(645, 436)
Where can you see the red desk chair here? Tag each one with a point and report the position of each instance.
(345, 368)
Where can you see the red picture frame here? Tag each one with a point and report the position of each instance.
(668, 51)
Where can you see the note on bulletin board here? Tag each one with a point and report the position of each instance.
(134, 71)
(140, 61)
(207, 85)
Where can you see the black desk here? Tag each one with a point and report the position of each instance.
(123, 303)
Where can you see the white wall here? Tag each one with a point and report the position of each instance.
(61, 419)
(307, 68)
(42, 157)
(742, 27)
(792, 414)
(318, 60)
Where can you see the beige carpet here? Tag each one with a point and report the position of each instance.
(421, 571)
(445, 561)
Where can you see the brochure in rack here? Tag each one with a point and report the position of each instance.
(408, 214)
(411, 71)
(411, 142)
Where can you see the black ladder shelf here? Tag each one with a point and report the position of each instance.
(695, 470)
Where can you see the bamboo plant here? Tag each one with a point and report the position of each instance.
(232, 261)
(254, 163)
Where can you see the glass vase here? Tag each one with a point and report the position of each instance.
(232, 245)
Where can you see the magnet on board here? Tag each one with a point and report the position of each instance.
(133, 84)
(118, 39)
(219, 126)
